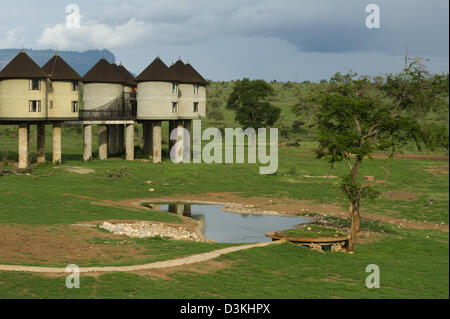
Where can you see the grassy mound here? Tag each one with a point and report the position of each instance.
(313, 231)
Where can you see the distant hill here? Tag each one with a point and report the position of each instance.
(79, 61)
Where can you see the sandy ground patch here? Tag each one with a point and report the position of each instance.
(437, 170)
(79, 170)
(400, 195)
(58, 245)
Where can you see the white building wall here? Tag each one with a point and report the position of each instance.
(154, 101)
(187, 99)
(60, 98)
(15, 95)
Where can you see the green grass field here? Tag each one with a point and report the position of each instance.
(414, 262)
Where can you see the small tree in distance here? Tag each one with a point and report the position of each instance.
(357, 117)
(213, 112)
(309, 103)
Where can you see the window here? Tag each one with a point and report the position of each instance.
(174, 87)
(174, 107)
(195, 107)
(35, 84)
(195, 88)
(51, 104)
(35, 106)
(74, 85)
(74, 106)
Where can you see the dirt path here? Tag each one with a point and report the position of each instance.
(155, 265)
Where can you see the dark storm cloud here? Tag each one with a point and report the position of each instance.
(243, 31)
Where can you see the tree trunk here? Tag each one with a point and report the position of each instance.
(354, 207)
(354, 230)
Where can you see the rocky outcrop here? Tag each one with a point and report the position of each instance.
(145, 229)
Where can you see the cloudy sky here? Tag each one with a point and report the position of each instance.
(230, 39)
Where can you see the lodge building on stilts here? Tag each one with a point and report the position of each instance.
(111, 98)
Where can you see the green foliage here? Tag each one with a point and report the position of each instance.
(297, 127)
(356, 117)
(11, 131)
(249, 101)
(355, 191)
(215, 115)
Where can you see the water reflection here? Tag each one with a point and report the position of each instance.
(225, 227)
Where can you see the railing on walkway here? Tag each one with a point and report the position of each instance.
(124, 107)
(107, 115)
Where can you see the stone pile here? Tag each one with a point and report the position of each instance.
(145, 229)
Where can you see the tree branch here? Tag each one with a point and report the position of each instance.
(349, 162)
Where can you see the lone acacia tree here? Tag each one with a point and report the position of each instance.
(249, 102)
(357, 117)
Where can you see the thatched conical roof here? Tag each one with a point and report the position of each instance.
(22, 67)
(103, 72)
(157, 71)
(131, 81)
(187, 74)
(58, 70)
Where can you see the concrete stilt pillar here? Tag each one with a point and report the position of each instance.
(148, 139)
(24, 146)
(130, 142)
(103, 142)
(156, 128)
(41, 142)
(120, 139)
(87, 143)
(57, 142)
